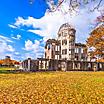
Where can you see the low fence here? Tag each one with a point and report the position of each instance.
(64, 65)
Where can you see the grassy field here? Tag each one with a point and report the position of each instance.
(52, 88)
(5, 69)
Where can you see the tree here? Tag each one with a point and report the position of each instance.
(1, 62)
(96, 42)
(100, 19)
(72, 4)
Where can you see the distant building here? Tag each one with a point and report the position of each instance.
(7, 57)
(65, 47)
(8, 62)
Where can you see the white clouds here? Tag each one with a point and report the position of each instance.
(50, 23)
(12, 26)
(33, 49)
(17, 53)
(21, 22)
(5, 46)
(36, 32)
(17, 37)
(29, 45)
(3, 38)
(9, 48)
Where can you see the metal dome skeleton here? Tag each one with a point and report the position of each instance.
(66, 27)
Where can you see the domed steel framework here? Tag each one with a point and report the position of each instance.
(66, 27)
(64, 47)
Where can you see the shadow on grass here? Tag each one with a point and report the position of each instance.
(25, 72)
(7, 71)
(11, 71)
(34, 71)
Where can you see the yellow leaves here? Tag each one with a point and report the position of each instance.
(52, 88)
(96, 35)
(9, 62)
(96, 40)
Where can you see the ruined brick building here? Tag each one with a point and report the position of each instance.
(65, 47)
(64, 54)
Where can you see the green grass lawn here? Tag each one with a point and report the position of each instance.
(52, 88)
(5, 69)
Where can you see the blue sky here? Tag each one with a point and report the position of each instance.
(25, 27)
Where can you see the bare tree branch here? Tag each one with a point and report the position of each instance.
(97, 6)
(73, 4)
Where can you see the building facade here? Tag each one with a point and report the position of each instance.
(64, 54)
(64, 47)
(66, 36)
(53, 49)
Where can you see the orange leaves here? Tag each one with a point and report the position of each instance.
(9, 62)
(100, 60)
(96, 40)
(1, 62)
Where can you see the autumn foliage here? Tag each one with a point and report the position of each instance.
(8, 62)
(96, 41)
(52, 88)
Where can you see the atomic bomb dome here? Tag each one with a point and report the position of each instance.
(66, 47)
(66, 27)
